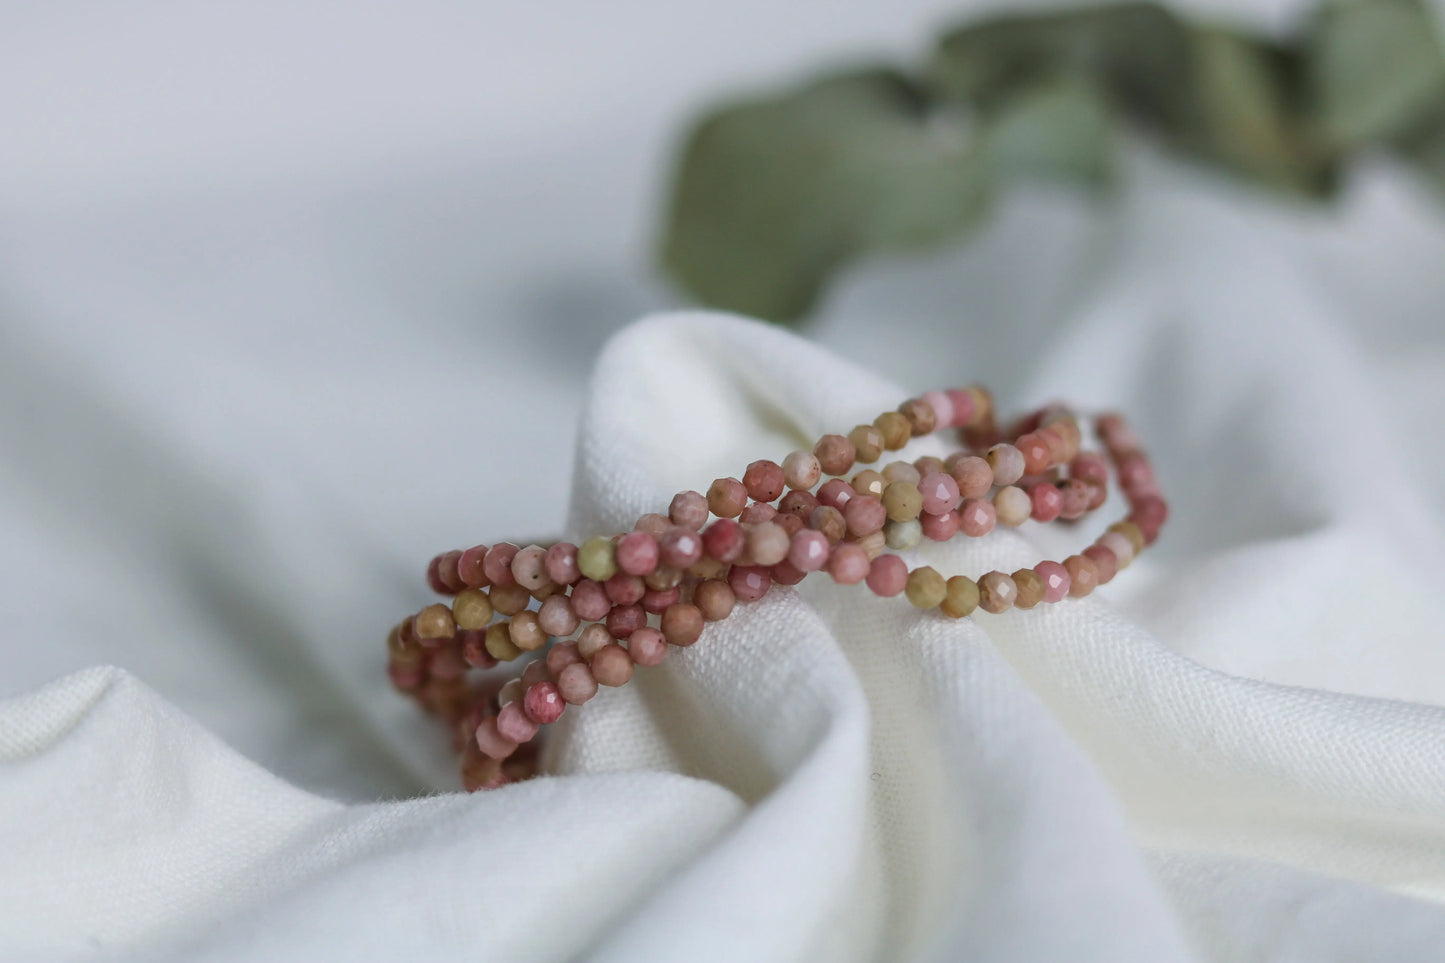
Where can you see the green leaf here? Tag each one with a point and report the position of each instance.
(1375, 68)
(1058, 129)
(774, 195)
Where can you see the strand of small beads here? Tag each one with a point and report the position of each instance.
(621, 602)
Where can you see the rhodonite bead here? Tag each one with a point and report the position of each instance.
(928, 464)
(1083, 575)
(976, 517)
(727, 497)
(849, 563)
(960, 597)
(497, 563)
(591, 639)
(623, 620)
(647, 646)
(1120, 546)
(749, 582)
(1012, 506)
(808, 551)
(925, 588)
(1030, 588)
(964, 407)
(680, 546)
(556, 617)
(1104, 561)
(867, 444)
(972, 473)
(688, 509)
(470, 568)
(996, 592)
(596, 559)
(869, 482)
(1149, 514)
(1090, 467)
(901, 501)
(714, 598)
(434, 576)
(939, 492)
(894, 428)
(798, 503)
(510, 599)
(560, 656)
(757, 513)
(447, 572)
(939, 528)
(723, 540)
(562, 563)
(491, 742)
(638, 553)
(1055, 579)
(887, 576)
(901, 536)
(590, 601)
(830, 522)
(864, 515)
(543, 703)
(1076, 497)
(529, 568)
(763, 480)
(1047, 501)
(942, 407)
(1131, 532)
(682, 624)
(921, 417)
(834, 454)
(611, 665)
(1035, 452)
(767, 544)
(835, 493)
(513, 724)
(656, 601)
(472, 609)
(801, 470)
(786, 573)
(624, 589)
(900, 471)
(1006, 462)
(790, 524)
(433, 623)
(576, 684)
(474, 649)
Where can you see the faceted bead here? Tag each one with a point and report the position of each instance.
(996, 592)
(1056, 581)
(887, 576)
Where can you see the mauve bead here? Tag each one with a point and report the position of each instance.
(942, 407)
(849, 564)
(996, 592)
(491, 742)
(868, 482)
(1121, 547)
(790, 524)
(562, 563)
(1007, 463)
(590, 601)
(749, 582)
(1076, 496)
(835, 454)
(940, 493)
(726, 497)
(653, 524)
(835, 493)
(510, 599)
(801, 470)
(830, 522)
(688, 509)
(592, 638)
(471, 567)
(1058, 447)
(576, 683)
(1012, 506)
(973, 475)
(1149, 513)
(964, 407)
(680, 546)
(767, 544)
(798, 503)
(786, 573)
(1055, 578)
(682, 624)
(887, 576)
(763, 480)
(714, 598)
(867, 444)
(1030, 588)
(1090, 467)
(560, 656)
(939, 528)
(921, 419)
(976, 517)
(757, 513)
(1047, 501)
(543, 703)
(1104, 560)
(513, 724)
(865, 515)
(647, 646)
(447, 571)
(623, 620)
(625, 589)
(872, 545)
(611, 666)
(1083, 575)
(529, 568)
(1035, 452)
(474, 649)
(446, 663)
(556, 616)
(723, 540)
(497, 563)
(656, 601)
(637, 553)
(434, 576)
(809, 551)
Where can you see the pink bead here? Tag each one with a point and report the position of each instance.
(977, 517)
(560, 656)
(492, 743)
(786, 573)
(1055, 578)
(1149, 513)
(865, 515)
(625, 589)
(556, 617)
(763, 480)
(940, 493)
(1007, 463)
(688, 509)
(1122, 548)
(656, 601)
(447, 572)
(799, 503)
(809, 550)
(576, 683)
(1047, 501)
(973, 475)
(767, 544)
(942, 407)
(513, 724)
(498, 563)
(590, 601)
(470, 567)
(835, 493)
(963, 407)
(1134, 472)
(638, 553)
(1076, 496)
(849, 563)
(1090, 467)
(474, 649)
(723, 540)
(434, 576)
(749, 582)
(680, 546)
(1105, 560)
(543, 703)
(623, 620)
(562, 563)
(647, 646)
(529, 567)
(888, 575)
(939, 528)
(757, 513)
(653, 524)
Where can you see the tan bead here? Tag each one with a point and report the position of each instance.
(663, 578)
(727, 498)
(895, 429)
(767, 544)
(682, 623)
(873, 544)
(896, 471)
(510, 599)
(592, 638)
(1012, 505)
(835, 454)
(472, 609)
(922, 419)
(867, 443)
(829, 521)
(1030, 588)
(708, 567)
(434, 622)
(869, 482)
(611, 665)
(715, 599)
(925, 587)
(1132, 532)
(982, 406)
(499, 643)
(1083, 575)
(802, 469)
(927, 464)
(902, 501)
(996, 592)
(961, 597)
(527, 634)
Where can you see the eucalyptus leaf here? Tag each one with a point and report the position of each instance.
(1059, 129)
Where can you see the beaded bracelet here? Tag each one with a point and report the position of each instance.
(681, 572)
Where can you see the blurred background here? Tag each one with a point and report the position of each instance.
(293, 295)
